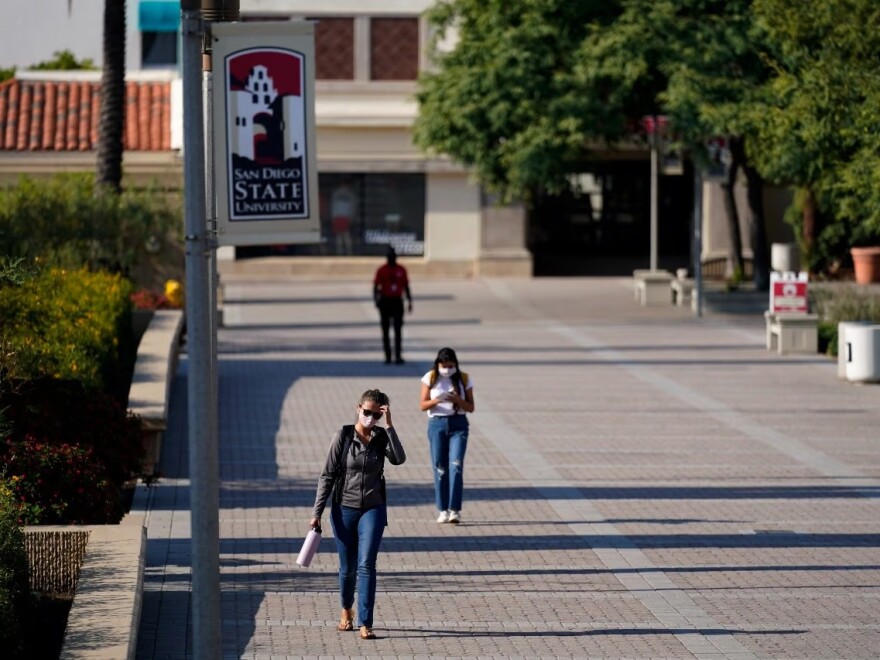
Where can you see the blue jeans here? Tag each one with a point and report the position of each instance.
(448, 436)
(358, 535)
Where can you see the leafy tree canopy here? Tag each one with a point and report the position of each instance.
(63, 60)
(818, 126)
(502, 100)
(696, 61)
(530, 84)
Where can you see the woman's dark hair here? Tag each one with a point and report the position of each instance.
(446, 354)
(376, 396)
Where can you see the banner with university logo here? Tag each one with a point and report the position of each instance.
(266, 179)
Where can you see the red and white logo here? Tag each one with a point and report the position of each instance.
(266, 134)
(788, 293)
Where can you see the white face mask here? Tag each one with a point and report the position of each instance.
(367, 421)
(446, 372)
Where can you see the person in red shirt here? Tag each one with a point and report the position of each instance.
(389, 287)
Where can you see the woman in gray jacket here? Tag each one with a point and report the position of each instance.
(353, 476)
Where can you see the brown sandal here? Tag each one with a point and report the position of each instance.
(346, 620)
(367, 633)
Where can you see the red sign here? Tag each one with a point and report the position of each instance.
(788, 294)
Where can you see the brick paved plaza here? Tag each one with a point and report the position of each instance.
(638, 483)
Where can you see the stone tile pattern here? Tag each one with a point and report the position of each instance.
(639, 483)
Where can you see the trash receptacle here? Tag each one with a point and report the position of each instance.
(842, 349)
(863, 353)
(785, 257)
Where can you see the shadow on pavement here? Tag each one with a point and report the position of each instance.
(433, 297)
(239, 327)
(450, 631)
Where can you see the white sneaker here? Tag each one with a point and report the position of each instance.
(454, 516)
(443, 517)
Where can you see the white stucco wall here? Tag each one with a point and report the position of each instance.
(452, 218)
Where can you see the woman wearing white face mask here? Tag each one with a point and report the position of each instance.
(447, 397)
(354, 475)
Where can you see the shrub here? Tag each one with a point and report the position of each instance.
(60, 484)
(65, 223)
(64, 413)
(72, 325)
(63, 60)
(835, 304)
(66, 357)
(827, 335)
(14, 594)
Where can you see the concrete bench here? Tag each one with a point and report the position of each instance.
(651, 287)
(683, 291)
(154, 371)
(792, 332)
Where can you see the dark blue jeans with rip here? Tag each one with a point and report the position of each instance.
(448, 436)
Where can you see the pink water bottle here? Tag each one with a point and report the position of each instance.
(309, 547)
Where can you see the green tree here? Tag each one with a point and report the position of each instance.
(817, 124)
(698, 61)
(531, 86)
(502, 101)
(63, 60)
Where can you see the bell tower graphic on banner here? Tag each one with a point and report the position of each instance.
(266, 124)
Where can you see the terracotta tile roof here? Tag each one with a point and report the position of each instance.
(63, 116)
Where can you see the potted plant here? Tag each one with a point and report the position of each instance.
(866, 263)
(866, 255)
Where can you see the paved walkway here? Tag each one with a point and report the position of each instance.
(639, 483)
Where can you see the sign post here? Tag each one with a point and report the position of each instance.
(655, 126)
(698, 241)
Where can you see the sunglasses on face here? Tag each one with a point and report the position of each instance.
(375, 414)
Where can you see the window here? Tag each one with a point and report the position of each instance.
(158, 22)
(362, 214)
(158, 49)
(334, 48)
(394, 48)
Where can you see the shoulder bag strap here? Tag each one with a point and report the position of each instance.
(341, 464)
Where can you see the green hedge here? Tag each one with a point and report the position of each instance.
(68, 325)
(14, 593)
(64, 222)
(72, 450)
(66, 357)
(838, 303)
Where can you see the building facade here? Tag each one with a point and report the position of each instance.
(375, 187)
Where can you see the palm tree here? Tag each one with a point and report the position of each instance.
(112, 118)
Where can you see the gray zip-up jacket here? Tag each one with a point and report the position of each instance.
(363, 485)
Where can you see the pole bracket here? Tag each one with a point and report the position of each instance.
(191, 24)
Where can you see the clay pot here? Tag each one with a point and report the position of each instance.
(866, 262)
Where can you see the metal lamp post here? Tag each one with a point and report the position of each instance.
(201, 328)
(654, 126)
